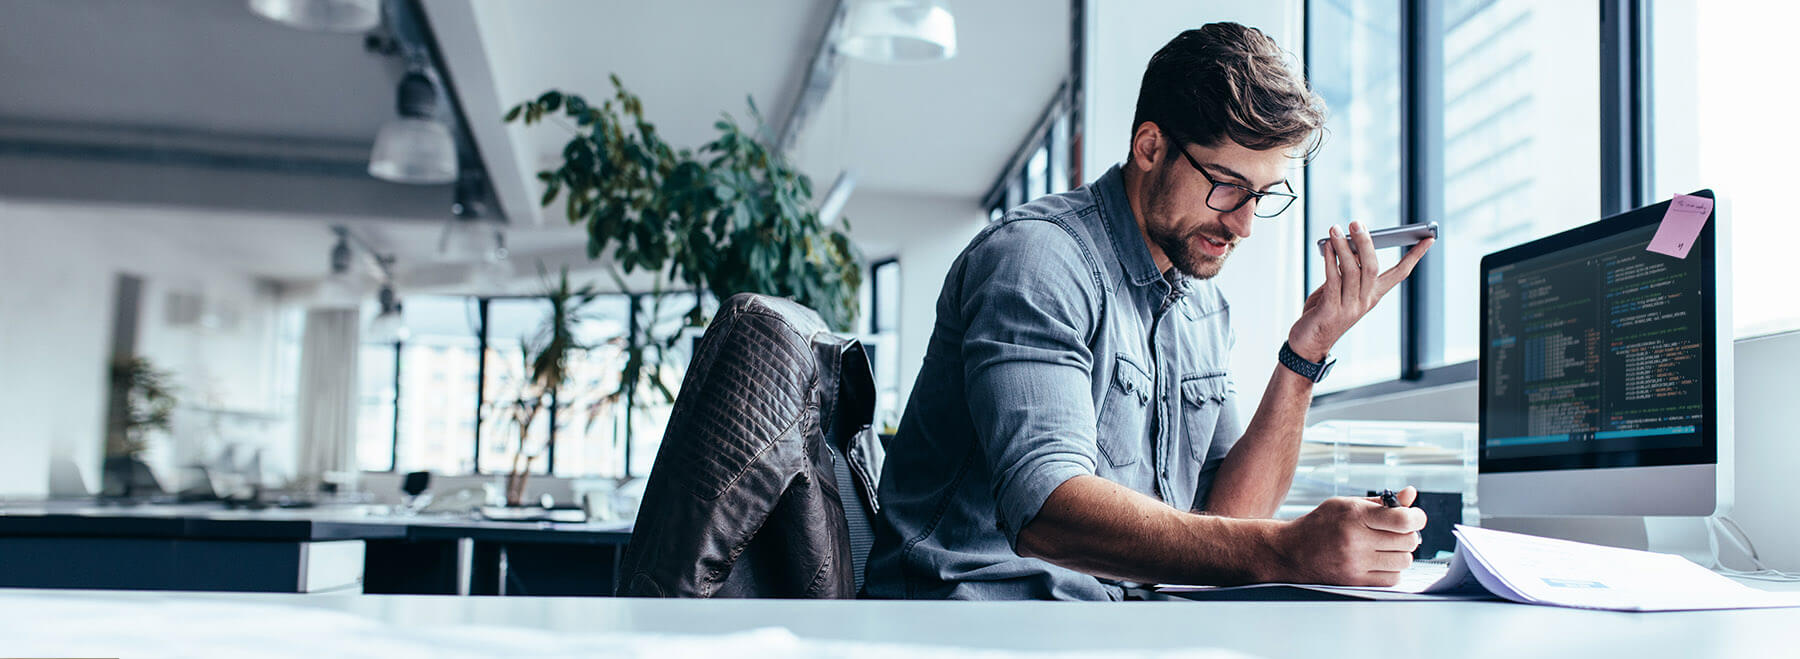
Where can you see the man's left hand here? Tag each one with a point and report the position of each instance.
(1352, 287)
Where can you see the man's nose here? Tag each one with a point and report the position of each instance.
(1239, 221)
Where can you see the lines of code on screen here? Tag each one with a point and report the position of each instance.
(1594, 348)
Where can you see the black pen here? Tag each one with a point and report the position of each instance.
(1387, 498)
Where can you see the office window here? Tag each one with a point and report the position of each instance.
(511, 324)
(590, 416)
(377, 392)
(1481, 115)
(1041, 164)
(1719, 121)
(1037, 173)
(883, 341)
(1354, 60)
(442, 400)
(665, 318)
(437, 385)
(1520, 139)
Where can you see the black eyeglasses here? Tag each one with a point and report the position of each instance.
(1228, 197)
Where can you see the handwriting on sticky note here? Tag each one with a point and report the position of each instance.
(1681, 225)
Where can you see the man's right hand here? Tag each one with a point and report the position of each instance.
(1349, 541)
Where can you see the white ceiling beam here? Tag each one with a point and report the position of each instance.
(469, 54)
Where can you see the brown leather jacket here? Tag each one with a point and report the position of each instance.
(744, 499)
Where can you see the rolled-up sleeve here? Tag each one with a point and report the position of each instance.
(1030, 300)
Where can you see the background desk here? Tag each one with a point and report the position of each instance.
(184, 547)
(497, 558)
(203, 547)
(82, 623)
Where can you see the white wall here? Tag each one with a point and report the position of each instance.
(1262, 280)
(56, 319)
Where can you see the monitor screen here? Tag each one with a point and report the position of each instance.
(1596, 352)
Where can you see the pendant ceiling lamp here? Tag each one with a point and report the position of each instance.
(321, 15)
(899, 31)
(415, 147)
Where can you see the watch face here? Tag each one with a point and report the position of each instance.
(1326, 370)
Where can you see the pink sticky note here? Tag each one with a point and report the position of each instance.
(1681, 225)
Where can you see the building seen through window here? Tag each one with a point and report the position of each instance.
(444, 399)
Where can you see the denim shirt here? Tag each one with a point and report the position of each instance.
(1059, 350)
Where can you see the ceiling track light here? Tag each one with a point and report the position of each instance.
(340, 253)
(469, 235)
(389, 326)
(340, 289)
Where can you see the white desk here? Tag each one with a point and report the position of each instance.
(133, 623)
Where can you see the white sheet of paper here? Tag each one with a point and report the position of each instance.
(1422, 581)
(1535, 570)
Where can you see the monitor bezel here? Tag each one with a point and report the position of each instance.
(1707, 453)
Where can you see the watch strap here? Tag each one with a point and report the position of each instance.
(1311, 370)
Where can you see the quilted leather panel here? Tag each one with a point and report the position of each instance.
(744, 500)
(751, 394)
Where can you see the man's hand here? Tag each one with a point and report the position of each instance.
(1351, 542)
(1352, 287)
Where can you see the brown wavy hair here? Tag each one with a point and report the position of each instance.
(1227, 81)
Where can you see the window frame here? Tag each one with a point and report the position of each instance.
(1052, 134)
(633, 301)
(1625, 40)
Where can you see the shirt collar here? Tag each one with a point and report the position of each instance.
(1122, 228)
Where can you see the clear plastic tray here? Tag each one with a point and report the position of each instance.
(1349, 458)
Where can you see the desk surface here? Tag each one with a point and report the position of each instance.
(208, 521)
(211, 521)
(546, 625)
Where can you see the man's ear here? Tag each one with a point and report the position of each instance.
(1147, 146)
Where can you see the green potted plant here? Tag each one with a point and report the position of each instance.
(144, 402)
(731, 216)
(546, 372)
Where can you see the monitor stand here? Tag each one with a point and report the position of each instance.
(1688, 537)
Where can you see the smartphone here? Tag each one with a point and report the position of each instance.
(1395, 236)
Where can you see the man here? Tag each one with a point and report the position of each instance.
(1073, 424)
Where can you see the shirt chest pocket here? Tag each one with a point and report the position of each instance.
(1123, 412)
(1202, 397)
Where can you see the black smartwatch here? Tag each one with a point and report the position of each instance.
(1310, 370)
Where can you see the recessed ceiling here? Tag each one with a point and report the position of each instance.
(941, 128)
(945, 128)
(210, 72)
(198, 103)
(201, 65)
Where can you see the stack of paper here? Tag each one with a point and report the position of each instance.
(1535, 570)
(1532, 570)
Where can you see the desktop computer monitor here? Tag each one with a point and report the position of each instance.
(1605, 373)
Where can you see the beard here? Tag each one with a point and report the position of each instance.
(1176, 244)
